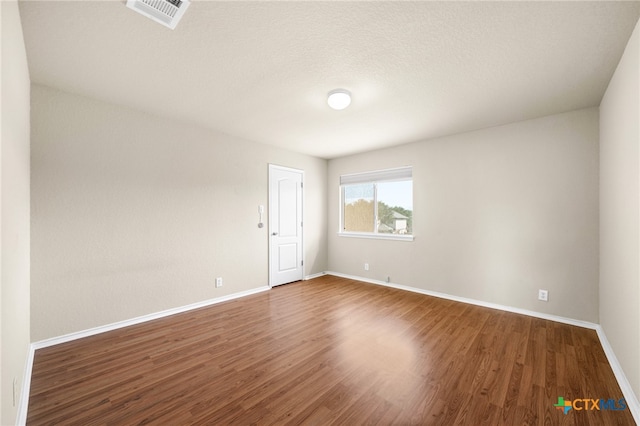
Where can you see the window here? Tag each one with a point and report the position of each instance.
(377, 204)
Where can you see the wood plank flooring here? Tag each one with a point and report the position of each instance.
(328, 351)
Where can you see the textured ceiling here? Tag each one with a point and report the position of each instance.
(262, 70)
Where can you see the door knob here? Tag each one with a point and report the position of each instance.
(274, 233)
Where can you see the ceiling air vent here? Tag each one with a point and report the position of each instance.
(165, 12)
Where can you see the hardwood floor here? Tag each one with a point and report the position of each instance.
(328, 351)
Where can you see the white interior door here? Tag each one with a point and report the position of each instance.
(285, 225)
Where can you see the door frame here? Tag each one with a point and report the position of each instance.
(269, 230)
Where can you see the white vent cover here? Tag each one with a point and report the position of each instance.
(165, 12)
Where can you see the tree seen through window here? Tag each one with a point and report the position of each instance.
(379, 207)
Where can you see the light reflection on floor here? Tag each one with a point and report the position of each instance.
(379, 349)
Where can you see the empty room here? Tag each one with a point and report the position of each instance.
(302, 212)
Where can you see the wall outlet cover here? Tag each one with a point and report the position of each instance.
(543, 295)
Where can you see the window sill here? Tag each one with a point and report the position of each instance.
(373, 236)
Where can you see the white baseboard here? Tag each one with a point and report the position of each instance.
(23, 403)
(144, 318)
(312, 276)
(556, 318)
(629, 395)
(24, 397)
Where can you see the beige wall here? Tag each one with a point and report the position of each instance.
(620, 212)
(14, 202)
(498, 214)
(134, 214)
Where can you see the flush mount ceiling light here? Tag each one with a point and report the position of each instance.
(339, 99)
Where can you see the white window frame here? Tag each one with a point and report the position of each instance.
(374, 177)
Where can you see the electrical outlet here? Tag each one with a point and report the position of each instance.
(543, 295)
(366, 266)
(218, 282)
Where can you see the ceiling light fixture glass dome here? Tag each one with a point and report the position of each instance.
(339, 99)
